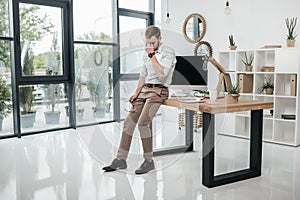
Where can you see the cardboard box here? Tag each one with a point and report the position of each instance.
(245, 83)
(293, 85)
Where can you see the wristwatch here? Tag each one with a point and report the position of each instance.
(150, 55)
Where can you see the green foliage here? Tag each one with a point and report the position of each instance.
(26, 92)
(234, 89)
(40, 60)
(231, 40)
(248, 61)
(268, 83)
(291, 24)
(5, 98)
(32, 26)
(202, 91)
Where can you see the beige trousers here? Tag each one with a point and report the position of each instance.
(142, 112)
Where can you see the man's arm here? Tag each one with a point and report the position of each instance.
(140, 85)
(159, 70)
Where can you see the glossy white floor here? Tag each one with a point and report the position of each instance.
(67, 165)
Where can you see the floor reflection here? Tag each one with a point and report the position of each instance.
(65, 165)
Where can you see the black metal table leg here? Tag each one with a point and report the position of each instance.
(189, 134)
(189, 129)
(254, 170)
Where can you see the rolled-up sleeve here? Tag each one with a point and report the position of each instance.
(143, 71)
(167, 60)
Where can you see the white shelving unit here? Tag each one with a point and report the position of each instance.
(286, 66)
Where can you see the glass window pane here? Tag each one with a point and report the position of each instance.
(127, 88)
(93, 20)
(41, 40)
(6, 117)
(94, 84)
(4, 22)
(168, 128)
(142, 5)
(43, 107)
(132, 44)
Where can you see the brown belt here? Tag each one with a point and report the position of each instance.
(149, 85)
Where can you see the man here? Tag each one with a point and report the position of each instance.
(152, 90)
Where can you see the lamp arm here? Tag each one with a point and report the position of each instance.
(224, 82)
(217, 65)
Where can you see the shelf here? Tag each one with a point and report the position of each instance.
(286, 63)
(285, 120)
(286, 97)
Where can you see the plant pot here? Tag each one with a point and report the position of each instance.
(79, 114)
(99, 112)
(27, 120)
(248, 68)
(52, 117)
(290, 43)
(108, 107)
(1, 122)
(233, 98)
(67, 111)
(269, 90)
(233, 47)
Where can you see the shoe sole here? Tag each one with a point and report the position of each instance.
(106, 169)
(145, 172)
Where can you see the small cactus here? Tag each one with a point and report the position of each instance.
(231, 41)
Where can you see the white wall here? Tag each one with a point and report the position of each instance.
(254, 23)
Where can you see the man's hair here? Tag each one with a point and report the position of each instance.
(152, 31)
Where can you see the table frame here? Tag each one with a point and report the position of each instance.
(209, 110)
(254, 170)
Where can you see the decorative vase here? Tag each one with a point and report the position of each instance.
(269, 90)
(248, 68)
(290, 43)
(233, 98)
(233, 47)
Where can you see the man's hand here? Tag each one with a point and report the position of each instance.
(133, 97)
(150, 48)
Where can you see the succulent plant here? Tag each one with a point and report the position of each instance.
(231, 41)
(234, 89)
(268, 83)
(248, 60)
(291, 24)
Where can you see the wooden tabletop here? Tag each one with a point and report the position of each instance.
(219, 106)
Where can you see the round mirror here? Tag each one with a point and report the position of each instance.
(203, 48)
(194, 27)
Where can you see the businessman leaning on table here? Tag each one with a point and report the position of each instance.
(152, 90)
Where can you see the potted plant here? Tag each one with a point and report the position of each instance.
(267, 86)
(232, 43)
(53, 91)
(98, 95)
(79, 108)
(26, 93)
(5, 100)
(248, 61)
(291, 36)
(98, 86)
(233, 93)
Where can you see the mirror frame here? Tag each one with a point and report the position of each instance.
(207, 44)
(203, 25)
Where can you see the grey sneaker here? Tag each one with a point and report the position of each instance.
(116, 164)
(145, 167)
